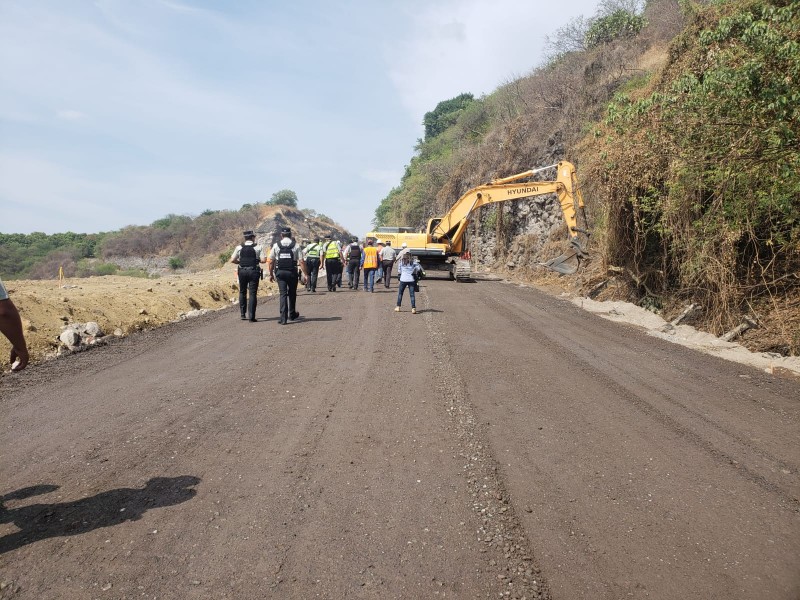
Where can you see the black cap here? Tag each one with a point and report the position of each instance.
(354, 239)
(328, 236)
(248, 233)
(317, 240)
(286, 231)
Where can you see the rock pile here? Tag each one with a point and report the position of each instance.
(78, 335)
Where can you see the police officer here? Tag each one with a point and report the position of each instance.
(332, 252)
(282, 263)
(311, 255)
(248, 256)
(353, 256)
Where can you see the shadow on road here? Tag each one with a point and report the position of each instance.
(41, 521)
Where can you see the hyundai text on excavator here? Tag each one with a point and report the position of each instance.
(442, 246)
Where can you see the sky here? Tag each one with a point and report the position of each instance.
(121, 112)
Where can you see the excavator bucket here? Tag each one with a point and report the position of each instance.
(567, 263)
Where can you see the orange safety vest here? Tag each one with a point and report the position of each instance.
(370, 257)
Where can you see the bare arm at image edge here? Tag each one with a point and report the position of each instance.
(11, 327)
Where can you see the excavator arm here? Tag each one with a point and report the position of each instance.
(451, 227)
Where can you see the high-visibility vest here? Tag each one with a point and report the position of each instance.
(370, 257)
(331, 250)
(312, 250)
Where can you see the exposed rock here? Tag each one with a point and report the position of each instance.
(70, 338)
(93, 329)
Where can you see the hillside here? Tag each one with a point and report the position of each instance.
(173, 244)
(683, 122)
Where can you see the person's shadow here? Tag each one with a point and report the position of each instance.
(41, 521)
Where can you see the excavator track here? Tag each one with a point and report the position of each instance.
(462, 270)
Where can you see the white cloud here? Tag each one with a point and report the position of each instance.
(385, 177)
(69, 114)
(65, 199)
(185, 105)
(458, 46)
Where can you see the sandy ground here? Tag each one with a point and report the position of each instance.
(688, 336)
(121, 305)
(118, 304)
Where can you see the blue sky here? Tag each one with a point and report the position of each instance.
(119, 112)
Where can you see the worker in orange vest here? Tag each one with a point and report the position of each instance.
(370, 265)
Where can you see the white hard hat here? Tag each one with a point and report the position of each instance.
(404, 245)
(378, 241)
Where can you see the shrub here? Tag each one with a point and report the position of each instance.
(176, 262)
(619, 24)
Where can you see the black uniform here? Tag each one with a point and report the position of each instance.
(353, 265)
(312, 265)
(286, 275)
(249, 276)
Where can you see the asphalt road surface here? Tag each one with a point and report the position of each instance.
(501, 443)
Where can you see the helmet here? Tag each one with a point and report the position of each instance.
(404, 245)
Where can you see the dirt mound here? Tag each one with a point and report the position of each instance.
(117, 304)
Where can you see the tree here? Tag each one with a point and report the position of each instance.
(445, 114)
(283, 198)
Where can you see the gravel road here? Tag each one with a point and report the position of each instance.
(501, 443)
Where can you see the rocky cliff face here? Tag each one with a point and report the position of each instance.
(268, 230)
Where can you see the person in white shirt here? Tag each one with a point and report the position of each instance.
(249, 257)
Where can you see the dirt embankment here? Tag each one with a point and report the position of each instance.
(117, 304)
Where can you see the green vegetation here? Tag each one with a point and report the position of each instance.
(23, 255)
(176, 262)
(445, 115)
(619, 24)
(711, 211)
(283, 198)
(690, 163)
(181, 236)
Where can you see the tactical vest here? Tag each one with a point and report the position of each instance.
(370, 258)
(248, 257)
(286, 261)
(355, 252)
(312, 251)
(331, 250)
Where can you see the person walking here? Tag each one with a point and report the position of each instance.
(379, 272)
(353, 255)
(282, 263)
(11, 327)
(248, 256)
(370, 264)
(332, 252)
(387, 257)
(311, 255)
(407, 270)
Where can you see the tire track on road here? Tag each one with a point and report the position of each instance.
(521, 574)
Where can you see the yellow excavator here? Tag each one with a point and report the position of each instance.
(442, 246)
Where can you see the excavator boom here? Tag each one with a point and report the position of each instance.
(445, 236)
